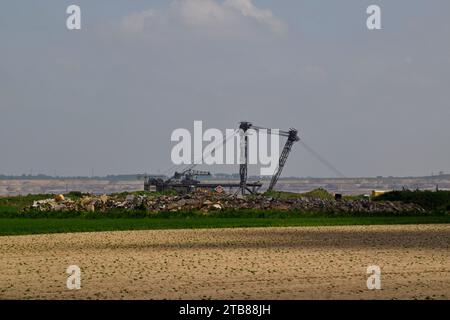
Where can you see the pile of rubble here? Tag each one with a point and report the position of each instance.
(215, 202)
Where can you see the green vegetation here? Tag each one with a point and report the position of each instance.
(74, 195)
(319, 193)
(436, 201)
(14, 221)
(38, 226)
(227, 213)
(15, 204)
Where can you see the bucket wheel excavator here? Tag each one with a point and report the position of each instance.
(292, 137)
(185, 181)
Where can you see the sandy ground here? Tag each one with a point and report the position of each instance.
(263, 263)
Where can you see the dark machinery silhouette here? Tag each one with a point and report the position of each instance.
(188, 176)
(185, 181)
(292, 137)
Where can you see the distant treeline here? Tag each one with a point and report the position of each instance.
(130, 177)
(217, 176)
(120, 177)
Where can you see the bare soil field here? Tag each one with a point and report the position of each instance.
(259, 263)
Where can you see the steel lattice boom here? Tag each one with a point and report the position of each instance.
(292, 136)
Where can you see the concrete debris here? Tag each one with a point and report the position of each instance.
(214, 202)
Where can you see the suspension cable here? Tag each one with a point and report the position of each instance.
(322, 159)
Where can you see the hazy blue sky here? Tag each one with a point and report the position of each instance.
(109, 96)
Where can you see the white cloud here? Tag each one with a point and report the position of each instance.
(203, 13)
(135, 23)
(212, 16)
(248, 9)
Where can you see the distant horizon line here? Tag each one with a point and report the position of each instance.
(137, 176)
